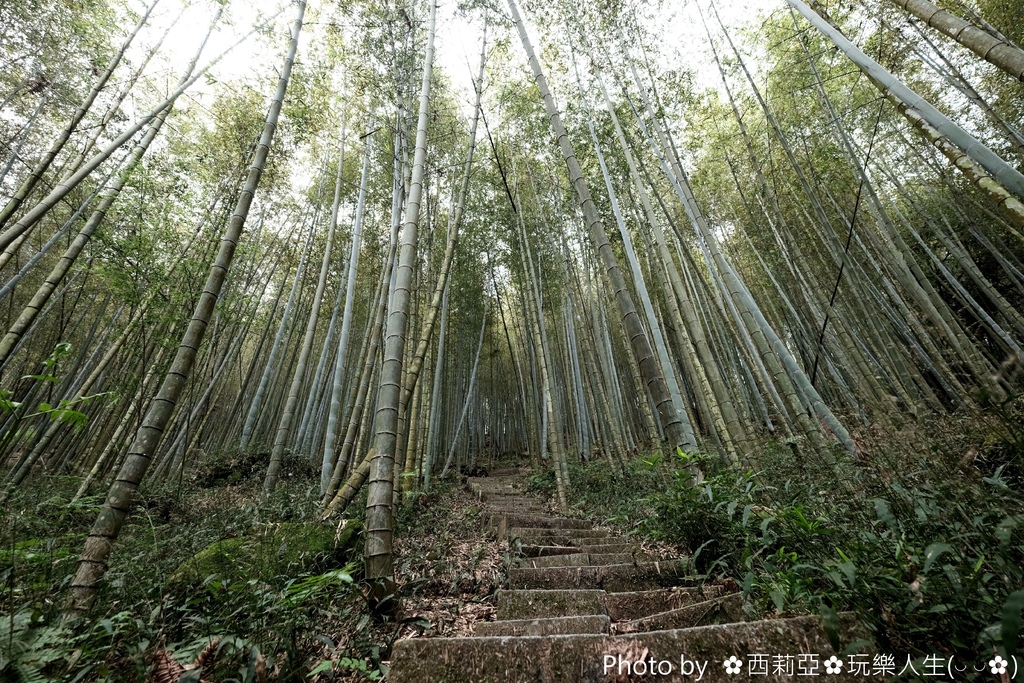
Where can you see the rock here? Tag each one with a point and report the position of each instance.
(274, 552)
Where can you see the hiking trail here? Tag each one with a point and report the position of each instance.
(586, 604)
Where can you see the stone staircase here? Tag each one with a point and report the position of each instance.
(587, 605)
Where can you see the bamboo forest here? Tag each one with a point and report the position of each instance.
(500, 340)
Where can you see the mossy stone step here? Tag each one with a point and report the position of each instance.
(624, 606)
(505, 472)
(521, 521)
(504, 511)
(619, 606)
(507, 498)
(554, 626)
(723, 610)
(533, 508)
(570, 560)
(544, 604)
(593, 658)
(601, 542)
(485, 487)
(612, 577)
(515, 510)
(486, 490)
(504, 502)
(613, 545)
(493, 481)
(541, 536)
(578, 560)
(511, 501)
(606, 558)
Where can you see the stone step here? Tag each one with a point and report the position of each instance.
(535, 536)
(505, 472)
(637, 604)
(512, 497)
(612, 577)
(619, 606)
(492, 482)
(604, 558)
(555, 532)
(521, 521)
(515, 509)
(512, 502)
(491, 488)
(503, 495)
(491, 478)
(691, 653)
(543, 604)
(603, 542)
(555, 626)
(503, 510)
(613, 545)
(723, 610)
(578, 560)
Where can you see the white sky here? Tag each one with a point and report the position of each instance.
(683, 42)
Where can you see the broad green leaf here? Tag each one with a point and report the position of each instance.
(323, 666)
(779, 599)
(882, 510)
(830, 622)
(932, 553)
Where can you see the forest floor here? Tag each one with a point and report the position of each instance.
(303, 614)
(927, 551)
(300, 612)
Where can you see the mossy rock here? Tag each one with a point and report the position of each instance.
(272, 554)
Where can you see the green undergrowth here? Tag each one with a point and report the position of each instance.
(929, 553)
(205, 557)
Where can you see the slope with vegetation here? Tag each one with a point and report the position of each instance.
(743, 281)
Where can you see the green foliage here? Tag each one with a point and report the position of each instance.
(346, 664)
(930, 560)
(28, 647)
(114, 648)
(299, 591)
(34, 650)
(66, 410)
(274, 551)
(292, 584)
